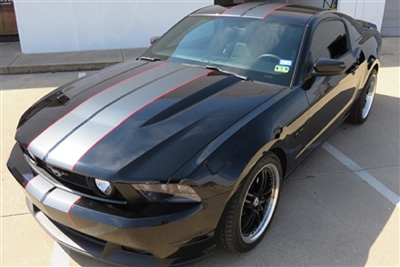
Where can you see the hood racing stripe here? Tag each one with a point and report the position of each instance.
(79, 142)
(55, 132)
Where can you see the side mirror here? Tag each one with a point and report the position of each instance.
(154, 39)
(328, 67)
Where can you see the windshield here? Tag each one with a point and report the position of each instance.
(262, 50)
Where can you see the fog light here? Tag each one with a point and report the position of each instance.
(104, 186)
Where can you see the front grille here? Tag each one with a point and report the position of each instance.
(67, 178)
(74, 181)
(77, 182)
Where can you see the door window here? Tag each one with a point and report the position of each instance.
(329, 40)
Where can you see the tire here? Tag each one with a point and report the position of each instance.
(362, 106)
(251, 209)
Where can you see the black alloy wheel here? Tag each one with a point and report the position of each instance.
(252, 207)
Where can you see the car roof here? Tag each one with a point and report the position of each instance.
(260, 10)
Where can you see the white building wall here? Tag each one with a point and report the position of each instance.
(64, 25)
(368, 10)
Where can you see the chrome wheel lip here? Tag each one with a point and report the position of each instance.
(269, 206)
(369, 98)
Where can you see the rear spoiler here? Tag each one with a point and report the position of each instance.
(367, 24)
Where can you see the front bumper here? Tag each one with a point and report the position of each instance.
(98, 230)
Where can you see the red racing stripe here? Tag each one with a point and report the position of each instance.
(36, 176)
(275, 9)
(232, 7)
(69, 210)
(137, 110)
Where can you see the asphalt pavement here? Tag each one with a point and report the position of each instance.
(341, 209)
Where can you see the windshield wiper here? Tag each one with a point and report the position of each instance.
(153, 59)
(219, 70)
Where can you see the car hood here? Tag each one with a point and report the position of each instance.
(144, 120)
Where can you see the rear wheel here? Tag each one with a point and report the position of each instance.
(251, 209)
(362, 107)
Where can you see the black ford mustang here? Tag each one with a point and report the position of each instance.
(158, 159)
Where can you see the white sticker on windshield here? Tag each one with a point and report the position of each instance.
(281, 69)
(285, 62)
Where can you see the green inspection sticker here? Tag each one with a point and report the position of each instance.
(282, 69)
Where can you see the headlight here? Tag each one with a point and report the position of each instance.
(176, 193)
(104, 186)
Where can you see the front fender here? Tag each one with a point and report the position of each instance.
(272, 126)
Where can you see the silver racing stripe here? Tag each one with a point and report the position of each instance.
(38, 187)
(41, 190)
(41, 145)
(61, 200)
(80, 141)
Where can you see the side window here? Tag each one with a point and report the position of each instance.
(329, 40)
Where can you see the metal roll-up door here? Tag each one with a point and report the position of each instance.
(391, 18)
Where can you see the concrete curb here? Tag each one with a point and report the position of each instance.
(55, 68)
(13, 61)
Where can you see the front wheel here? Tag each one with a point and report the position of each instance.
(362, 106)
(251, 209)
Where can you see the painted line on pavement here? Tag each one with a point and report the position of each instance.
(363, 174)
(59, 257)
(81, 74)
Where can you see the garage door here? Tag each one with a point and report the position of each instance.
(391, 18)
